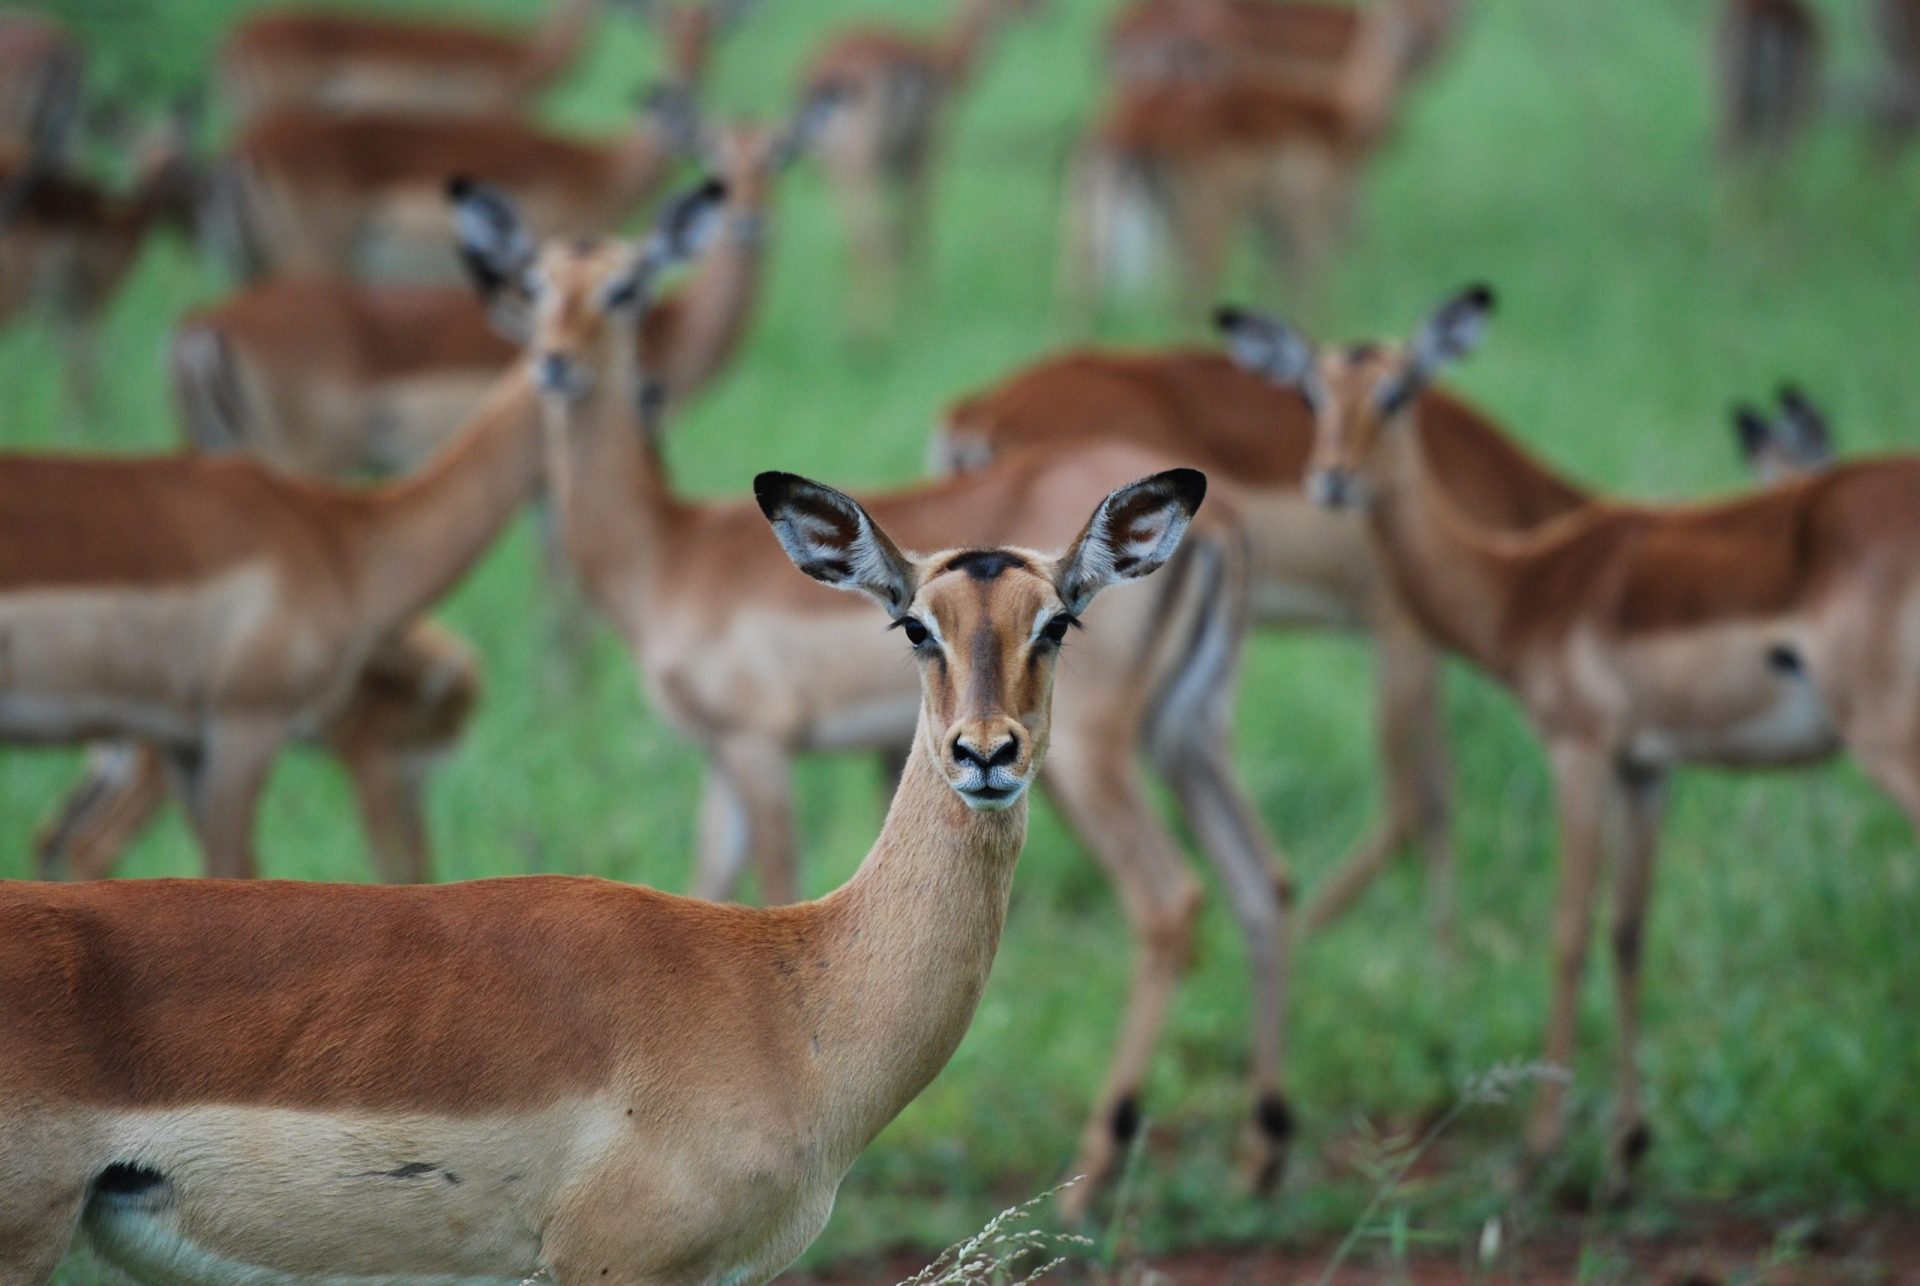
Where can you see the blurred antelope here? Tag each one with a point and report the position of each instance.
(1195, 161)
(695, 594)
(548, 1076)
(314, 192)
(41, 69)
(1300, 42)
(67, 244)
(1788, 447)
(1774, 629)
(407, 710)
(894, 90)
(215, 608)
(330, 377)
(1312, 567)
(342, 61)
(1769, 58)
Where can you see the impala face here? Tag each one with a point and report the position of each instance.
(986, 625)
(1358, 394)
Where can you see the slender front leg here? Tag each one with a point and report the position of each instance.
(1580, 779)
(1102, 798)
(1260, 887)
(747, 818)
(1643, 793)
(221, 786)
(124, 785)
(390, 790)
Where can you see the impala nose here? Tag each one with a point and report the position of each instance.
(1335, 488)
(1003, 755)
(558, 373)
(984, 767)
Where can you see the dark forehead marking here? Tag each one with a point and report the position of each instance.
(985, 564)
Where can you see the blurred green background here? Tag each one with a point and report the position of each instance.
(1561, 151)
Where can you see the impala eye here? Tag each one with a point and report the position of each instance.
(1055, 630)
(916, 632)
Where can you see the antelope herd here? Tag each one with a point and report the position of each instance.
(438, 321)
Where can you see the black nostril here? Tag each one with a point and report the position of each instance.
(553, 370)
(964, 753)
(1004, 756)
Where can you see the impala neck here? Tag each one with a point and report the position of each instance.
(558, 41)
(906, 948)
(1457, 576)
(421, 535)
(617, 512)
(716, 304)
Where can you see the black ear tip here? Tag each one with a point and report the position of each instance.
(1228, 317)
(1480, 295)
(1190, 485)
(460, 187)
(1748, 424)
(714, 189)
(1790, 395)
(771, 489)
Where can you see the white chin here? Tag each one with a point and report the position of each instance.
(998, 802)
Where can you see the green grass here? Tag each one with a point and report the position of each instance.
(1561, 152)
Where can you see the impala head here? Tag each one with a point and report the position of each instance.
(748, 156)
(1795, 443)
(1359, 394)
(570, 297)
(985, 625)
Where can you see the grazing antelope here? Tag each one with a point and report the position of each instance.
(325, 376)
(1311, 567)
(894, 89)
(316, 192)
(1193, 162)
(41, 70)
(342, 61)
(1768, 52)
(214, 607)
(1772, 629)
(487, 1081)
(1792, 445)
(407, 710)
(695, 596)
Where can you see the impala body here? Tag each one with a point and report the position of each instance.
(226, 1081)
(1311, 566)
(1298, 41)
(1152, 679)
(319, 192)
(326, 376)
(1768, 630)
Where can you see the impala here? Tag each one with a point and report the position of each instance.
(1196, 161)
(343, 61)
(1768, 55)
(482, 1082)
(40, 74)
(894, 90)
(1791, 445)
(304, 191)
(214, 607)
(407, 710)
(1773, 629)
(326, 376)
(1311, 567)
(696, 596)
(1300, 41)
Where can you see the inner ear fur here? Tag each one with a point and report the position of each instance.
(831, 537)
(1132, 533)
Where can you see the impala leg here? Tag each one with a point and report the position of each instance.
(1103, 800)
(1413, 757)
(123, 785)
(1203, 226)
(863, 205)
(1580, 777)
(746, 818)
(1643, 792)
(390, 789)
(1260, 887)
(221, 785)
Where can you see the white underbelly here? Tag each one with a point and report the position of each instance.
(1795, 727)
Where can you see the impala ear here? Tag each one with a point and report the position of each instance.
(832, 539)
(1805, 429)
(1132, 533)
(1753, 433)
(1266, 346)
(685, 226)
(1450, 332)
(497, 251)
(672, 110)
